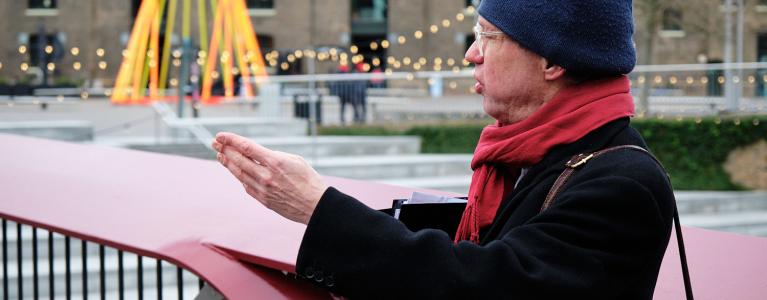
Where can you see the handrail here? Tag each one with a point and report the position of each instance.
(191, 213)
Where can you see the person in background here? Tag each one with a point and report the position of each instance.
(343, 90)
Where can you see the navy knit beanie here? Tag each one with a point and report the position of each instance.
(587, 37)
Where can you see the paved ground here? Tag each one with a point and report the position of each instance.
(124, 121)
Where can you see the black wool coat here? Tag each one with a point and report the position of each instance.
(603, 238)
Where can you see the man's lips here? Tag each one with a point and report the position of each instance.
(478, 87)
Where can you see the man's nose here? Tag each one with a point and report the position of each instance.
(472, 55)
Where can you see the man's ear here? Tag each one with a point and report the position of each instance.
(553, 72)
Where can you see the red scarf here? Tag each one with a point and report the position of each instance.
(503, 151)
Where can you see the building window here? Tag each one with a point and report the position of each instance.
(672, 23)
(261, 8)
(369, 10)
(41, 8)
(761, 6)
(42, 4)
(260, 4)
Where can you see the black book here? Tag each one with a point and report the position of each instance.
(417, 216)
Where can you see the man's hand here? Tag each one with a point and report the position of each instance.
(282, 182)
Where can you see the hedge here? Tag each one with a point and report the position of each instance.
(693, 150)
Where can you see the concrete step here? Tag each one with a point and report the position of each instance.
(748, 223)
(457, 184)
(64, 130)
(399, 166)
(305, 146)
(242, 126)
(695, 202)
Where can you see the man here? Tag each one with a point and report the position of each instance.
(551, 74)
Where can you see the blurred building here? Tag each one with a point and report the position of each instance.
(84, 39)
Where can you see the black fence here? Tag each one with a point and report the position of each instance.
(48, 265)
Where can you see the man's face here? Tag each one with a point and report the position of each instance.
(509, 77)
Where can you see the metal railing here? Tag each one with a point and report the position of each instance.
(39, 253)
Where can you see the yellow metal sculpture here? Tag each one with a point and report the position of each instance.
(232, 41)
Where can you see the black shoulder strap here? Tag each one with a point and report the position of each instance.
(579, 160)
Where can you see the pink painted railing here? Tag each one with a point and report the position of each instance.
(193, 214)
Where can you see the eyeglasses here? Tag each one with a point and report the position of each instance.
(480, 35)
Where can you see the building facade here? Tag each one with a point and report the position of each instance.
(76, 40)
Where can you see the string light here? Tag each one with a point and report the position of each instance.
(77, 66)
(376, 61)
(103, 65)
(751, 79)
(389, 71)
(125, 53)
(418, 34)
(422, 60)
(721, 79)
(49, 49)
(284, 66)
(291, 58)
(84, 95)
(353, 49)
(658, 79)
(298, 54)
(453, 85)
(459, 17)
(177, 53)
(437, 68)
(51, 67)
(456, 69)
(433, 28)
(75, 51)
(736, 79)
(445, 23)
(410, 77)
(100, 52)
(416, 66)
(1, 65)
(690, 80)
(450, 62)
(24, 67)
(177, 62)
(438, 61)
(466, 62)
(333, 51)
(385, 44)
(22, 49)
(373, 46)
(641, 79)
(704, 80)
(406, 61)
(672, 80)
(401, 39)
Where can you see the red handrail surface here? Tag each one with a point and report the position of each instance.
(194, 214)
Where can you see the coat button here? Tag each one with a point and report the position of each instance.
(330, 281)
(309, 272)
(318, 276)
